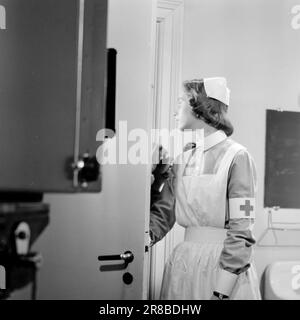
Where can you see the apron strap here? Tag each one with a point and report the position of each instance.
(229, 156)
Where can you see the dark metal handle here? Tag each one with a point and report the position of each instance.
(127, 257)
(84, 171)
(110, 257)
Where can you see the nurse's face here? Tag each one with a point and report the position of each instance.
(183, 115)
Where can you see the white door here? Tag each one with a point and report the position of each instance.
(84, 226)
(126, 187)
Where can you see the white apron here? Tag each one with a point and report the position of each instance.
(191, 270)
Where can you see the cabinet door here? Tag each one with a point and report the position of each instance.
(52, 91)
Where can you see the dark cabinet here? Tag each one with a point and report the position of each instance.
(52, 93)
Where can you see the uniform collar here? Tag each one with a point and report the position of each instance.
(213, 139)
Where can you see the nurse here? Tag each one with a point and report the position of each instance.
(211, 192)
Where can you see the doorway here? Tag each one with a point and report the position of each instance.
(167, 82)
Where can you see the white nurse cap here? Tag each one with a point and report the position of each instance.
(217, 88)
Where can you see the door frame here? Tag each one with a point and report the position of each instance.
(163, 112)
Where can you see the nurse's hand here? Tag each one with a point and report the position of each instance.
(161, 160)
(161, 163)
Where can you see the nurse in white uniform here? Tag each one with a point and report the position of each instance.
(214, 200)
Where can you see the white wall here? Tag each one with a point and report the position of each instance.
(253, 45)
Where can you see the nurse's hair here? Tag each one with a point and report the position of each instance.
(211, 111)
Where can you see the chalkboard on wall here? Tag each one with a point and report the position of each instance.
(282, 167)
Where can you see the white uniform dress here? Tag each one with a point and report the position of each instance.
(215, 202)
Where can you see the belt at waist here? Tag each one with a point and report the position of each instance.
(205, 234)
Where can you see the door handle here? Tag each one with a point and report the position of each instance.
(127, 257)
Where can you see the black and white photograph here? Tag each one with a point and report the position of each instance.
(150, 151)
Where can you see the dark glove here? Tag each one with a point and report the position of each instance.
(162, 209)
(160, 170)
